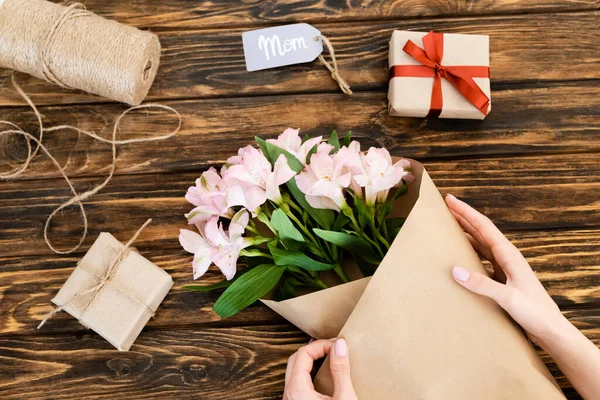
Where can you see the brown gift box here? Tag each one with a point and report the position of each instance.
(410, 96)
(121, 308)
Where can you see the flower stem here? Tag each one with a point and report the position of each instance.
(338, 270)
(366, 237)
(255, 253)
(378, 235)
(300, 225)
(262, 217)
(319, 283)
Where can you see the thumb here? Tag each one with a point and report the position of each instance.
(481, 284)
(339, 363)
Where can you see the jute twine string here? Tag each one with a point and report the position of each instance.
(77, 49)
(333, 67)
(77, 197)
(109, 273)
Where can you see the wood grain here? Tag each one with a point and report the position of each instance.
(210, 63)
(549, 192)
(225, 363)
(525, 120)
(203, 14)
(565, 261)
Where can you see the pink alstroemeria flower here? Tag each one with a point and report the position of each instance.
(323, 181)
(352, 159)
(380, 174)
(260, 179)
(290, 141)
(214, 245)
(209, 196)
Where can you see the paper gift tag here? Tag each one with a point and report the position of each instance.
(281, 45)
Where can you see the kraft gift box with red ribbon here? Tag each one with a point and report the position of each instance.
(439, 75)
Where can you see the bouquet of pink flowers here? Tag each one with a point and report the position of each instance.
(293, 208)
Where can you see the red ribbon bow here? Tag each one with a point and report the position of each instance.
(461, 77)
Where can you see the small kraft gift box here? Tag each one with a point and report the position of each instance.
(114, 291)
(439, 75)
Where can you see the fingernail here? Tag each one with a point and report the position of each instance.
(460, 274)
(451, 196)
(312, 339)
(341, 348)
(333, 339)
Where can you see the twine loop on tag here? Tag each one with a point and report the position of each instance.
(333, 67)
(76, 198)
(108, 274)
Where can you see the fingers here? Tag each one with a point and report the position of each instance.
(339, 363)
(506, 255)
(479, 222)
(305, 357)
(482, 285)
(289, 368)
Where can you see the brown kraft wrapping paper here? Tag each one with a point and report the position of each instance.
(416, 334)
(322, 314)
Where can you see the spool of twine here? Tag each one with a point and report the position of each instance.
(75, 48)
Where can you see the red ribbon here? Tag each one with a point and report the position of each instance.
(461, 77)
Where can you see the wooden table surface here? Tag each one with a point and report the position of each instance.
(533, 166)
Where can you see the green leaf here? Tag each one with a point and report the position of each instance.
(284, 226)
(286, 257)
(311, 152)
(366, 268)
(347, 139)
(256, 261)
(340, 222)
(386, 207)
(262, 144)
(207, 288)
(287, 289)
(276, 151)
(324, 218)
(365, 215)
(247, 289)
(393, 226)
(334, 141)
(351, 243)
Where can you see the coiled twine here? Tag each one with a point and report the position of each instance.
(77, 49)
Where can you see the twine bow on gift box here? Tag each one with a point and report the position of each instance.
(103, 280)
(461, 77)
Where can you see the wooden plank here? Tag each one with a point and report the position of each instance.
(224, 363)
(203, 14)
(565, 261)
(524, 120)
(210, 63)
(538, 192)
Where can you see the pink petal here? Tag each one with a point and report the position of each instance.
(214, 234)
(282, 170)
(200, 265)
(193, 197)
(191, 241)
(305, 182)
(344, 180)
(321, 165)
(226, 260)
(241, 173)
(200, 213)
(321, 202)
(255, 197)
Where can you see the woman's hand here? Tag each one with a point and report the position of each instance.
(298, 382)
(518, 291)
